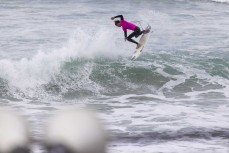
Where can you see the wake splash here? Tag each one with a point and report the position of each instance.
(30, 75)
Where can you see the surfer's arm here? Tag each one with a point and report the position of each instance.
(118, 16)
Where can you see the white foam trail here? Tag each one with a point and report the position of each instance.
(187, 72)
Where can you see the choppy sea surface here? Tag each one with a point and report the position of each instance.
(174, 98)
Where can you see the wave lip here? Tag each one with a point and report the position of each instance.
(28, 75)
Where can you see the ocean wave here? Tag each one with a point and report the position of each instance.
(44, 68)
(84, 66)
(82, 77)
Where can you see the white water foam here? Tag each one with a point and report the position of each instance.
(188, 71)
(30, 73)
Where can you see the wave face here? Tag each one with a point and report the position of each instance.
(74, 71)
(67, 68)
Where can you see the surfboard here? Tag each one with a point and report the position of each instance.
(142, 41)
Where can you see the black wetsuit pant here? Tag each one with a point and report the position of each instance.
(137, 32)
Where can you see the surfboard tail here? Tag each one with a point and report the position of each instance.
(142, 41)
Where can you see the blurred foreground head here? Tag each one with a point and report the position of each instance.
(14, 133)
(75, 131)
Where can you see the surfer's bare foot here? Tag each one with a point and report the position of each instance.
(138, 46)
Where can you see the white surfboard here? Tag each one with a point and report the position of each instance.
(142, 41)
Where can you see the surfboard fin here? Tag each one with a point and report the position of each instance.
(147, 29)
(133, 58)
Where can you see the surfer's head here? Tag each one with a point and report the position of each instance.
(117, 23)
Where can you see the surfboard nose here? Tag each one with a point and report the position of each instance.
(14, 133)
(75, 131)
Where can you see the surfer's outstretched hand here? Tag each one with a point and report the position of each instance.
(112, 18)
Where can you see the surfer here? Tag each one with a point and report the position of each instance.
(129, 26)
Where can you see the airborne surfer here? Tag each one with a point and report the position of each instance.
(129, 26)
